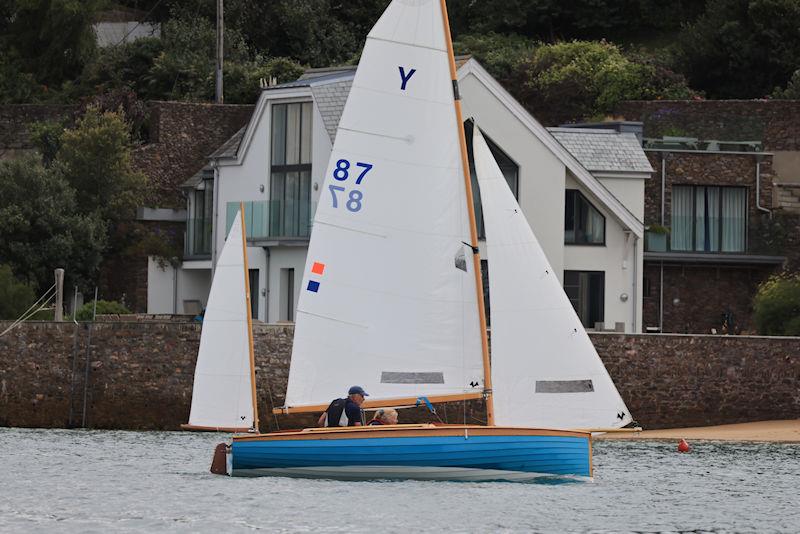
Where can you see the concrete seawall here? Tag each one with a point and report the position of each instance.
(138, 375)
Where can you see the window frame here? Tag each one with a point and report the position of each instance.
(303, 171)
(693, 249)
(602, 275)
(579, 195)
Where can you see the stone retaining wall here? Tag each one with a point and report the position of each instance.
(140, 377)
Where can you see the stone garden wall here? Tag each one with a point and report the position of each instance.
(139, 376)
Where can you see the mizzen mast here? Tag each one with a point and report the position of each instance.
(473, 229)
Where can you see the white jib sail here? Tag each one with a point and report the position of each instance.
(388, 296)
(545, 370)
(222, 393)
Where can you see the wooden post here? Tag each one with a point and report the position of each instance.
(59, 312)
(473, 230)
(220, 47)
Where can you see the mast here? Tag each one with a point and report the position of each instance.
(249, 319)
(473, 230)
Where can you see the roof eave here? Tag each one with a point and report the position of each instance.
(592, 184)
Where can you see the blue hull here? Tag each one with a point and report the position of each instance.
(434, 456)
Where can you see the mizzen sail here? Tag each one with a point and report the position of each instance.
(222, 393)
(388, 299)
(545, 370)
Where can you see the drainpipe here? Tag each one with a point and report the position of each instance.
(758, 188)
(661, 301)
(635, 282)
(266, 287)
(215, 221)
(663, 184)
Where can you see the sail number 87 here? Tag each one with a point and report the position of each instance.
(341, 173)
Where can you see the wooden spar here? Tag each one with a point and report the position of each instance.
(249, 314)
(229, 429)
(384, 403)
(473, 229)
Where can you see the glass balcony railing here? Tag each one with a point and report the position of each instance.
(274, 219)
(198, 238)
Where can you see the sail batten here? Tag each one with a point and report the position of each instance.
(545, 369)
(391, 218)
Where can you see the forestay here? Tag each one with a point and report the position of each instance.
(222, 394)
(388, 299)
(545, 370)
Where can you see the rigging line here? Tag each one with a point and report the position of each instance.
(139, 23)
(30, 311)
(272, 404)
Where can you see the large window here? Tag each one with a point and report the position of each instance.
(290, 170)
(199, 223)
(583, 224)
(507, 166)
(586, 292)
(709, 218)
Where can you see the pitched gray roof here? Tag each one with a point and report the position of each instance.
(604, 150)
(230, 147)
(330, 98)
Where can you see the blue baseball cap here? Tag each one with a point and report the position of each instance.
(357, 390)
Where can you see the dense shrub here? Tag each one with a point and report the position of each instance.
(574, 80)
(15, 296)
(777, 306)
(104, 307)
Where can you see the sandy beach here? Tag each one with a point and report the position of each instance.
(773, 431)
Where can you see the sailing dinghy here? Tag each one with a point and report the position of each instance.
(392, 295)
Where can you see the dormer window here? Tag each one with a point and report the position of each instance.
(583, 223)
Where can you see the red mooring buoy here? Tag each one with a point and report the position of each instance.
(683, 446)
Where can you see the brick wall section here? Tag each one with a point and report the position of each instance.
(15, 121)
(140, 376)
(697, 296)
(182, 136)
(676, 380)
(709, 169)
(774, 122)
(704, 292)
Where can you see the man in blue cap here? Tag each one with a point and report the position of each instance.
(347, 411)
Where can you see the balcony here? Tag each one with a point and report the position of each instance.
(274, 220)
(197, 243)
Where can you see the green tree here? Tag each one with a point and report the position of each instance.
(500, 54)
(95, 159)
(777, 306)
(50, 39)
(741, 48)
(41, 229)
(792, 89)
(579, 79)
(15, 296)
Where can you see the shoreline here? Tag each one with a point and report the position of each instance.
(781, 431)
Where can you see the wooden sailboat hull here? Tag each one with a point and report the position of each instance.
(424, 452)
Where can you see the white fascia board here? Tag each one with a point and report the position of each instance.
(592, 184)
(263, 100)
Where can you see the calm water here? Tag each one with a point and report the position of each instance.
(87, 481)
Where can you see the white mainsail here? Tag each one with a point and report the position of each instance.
(388, 299)
(545, 370)
(222, 393)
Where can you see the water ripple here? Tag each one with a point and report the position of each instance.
(114, 481)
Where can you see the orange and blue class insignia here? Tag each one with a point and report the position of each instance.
(318, 269)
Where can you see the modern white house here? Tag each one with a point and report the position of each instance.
(581, 189)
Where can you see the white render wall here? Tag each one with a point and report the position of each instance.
(541, 173)
(542, 181)
(623, 270)
(160, 287)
